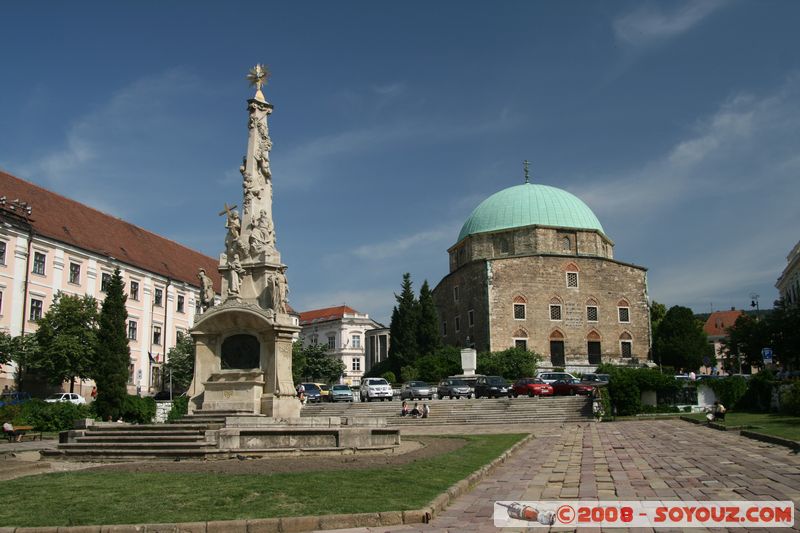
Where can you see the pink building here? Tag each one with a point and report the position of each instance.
(49, 243)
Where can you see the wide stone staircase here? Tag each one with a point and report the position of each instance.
(522, 410)
(108, 441)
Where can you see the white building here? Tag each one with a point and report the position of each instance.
(344, 331)
(49, 243)
(788, 283)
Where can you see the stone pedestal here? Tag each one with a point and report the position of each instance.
(469, 361)
(233, 391)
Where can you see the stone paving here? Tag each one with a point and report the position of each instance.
(635, 460)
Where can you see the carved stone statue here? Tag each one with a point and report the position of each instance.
(206, 290)
(280, 295)
(235, 271)
(234, 226)
(261, 233)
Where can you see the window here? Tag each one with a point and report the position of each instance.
(627, 348)
(36, 309)
(105, 279)
(458, 324)
(38, 263)
(331, 342)
(555, 311)
(75, 273)
(595, 352)
(130, 373)
(180, 304)
(444, 327)
(134, 290)
(356, 341)
(2, 253)
(157, 335)
(314, 340)
(356, 364)
(455, 293)
(591, 313)
(519, 311)
(471, 317)
(624, 314)
(159, 297)
(1, 303)
(572, 280)
(566, 244)
(179, 334)
(521, 343)
(132, 330)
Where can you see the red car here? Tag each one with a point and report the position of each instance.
(532, 387)
(571, 387)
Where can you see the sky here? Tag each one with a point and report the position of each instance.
(678, 123)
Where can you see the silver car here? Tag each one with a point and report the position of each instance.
(454, 388)
(416, 390)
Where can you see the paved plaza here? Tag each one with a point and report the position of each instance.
(636, 460)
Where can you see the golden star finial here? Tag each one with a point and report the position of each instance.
(258, 76)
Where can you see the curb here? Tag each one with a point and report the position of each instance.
(299, 524)
(763, 437)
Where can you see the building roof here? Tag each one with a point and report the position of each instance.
(61, 219)
(324, 315)
(530, 204)
(719, 321)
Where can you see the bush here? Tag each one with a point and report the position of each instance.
(625, 394)
(653, 409)
(758, 396)
(729, 390)
(138, 410)
(790, 399)
(180, 406)
(389, 376)
(605, 404)
(44, 416)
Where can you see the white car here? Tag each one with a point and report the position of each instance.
(552, 377)
(375, 388)
(70, 397)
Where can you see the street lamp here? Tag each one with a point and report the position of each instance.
(754, 303)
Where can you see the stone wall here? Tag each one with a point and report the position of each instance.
(471, 283)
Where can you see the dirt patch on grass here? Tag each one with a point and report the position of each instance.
(410, 451)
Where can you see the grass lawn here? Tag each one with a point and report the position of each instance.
(778, 425)
(86, 498)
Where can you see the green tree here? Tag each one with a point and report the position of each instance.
(657, 313)
(429, 338)
(67, 338)
(680, 340)
(180, 363)
(319, 365)
(298, 361)
(113, 355)
(745, 340)
(20, 350)
(513, 363)
(446, 361)
(403, 329)
(784, 326)
(6, 341)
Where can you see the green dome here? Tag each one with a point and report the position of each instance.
(527, 205)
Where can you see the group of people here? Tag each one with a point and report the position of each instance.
(417, 411)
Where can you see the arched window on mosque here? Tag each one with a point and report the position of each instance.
(566, 244)
(626, 344)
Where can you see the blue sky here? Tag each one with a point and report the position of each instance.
(678, 123)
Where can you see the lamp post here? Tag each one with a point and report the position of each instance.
(754, 303)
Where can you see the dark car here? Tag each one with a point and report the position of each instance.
(571, 387)
(14, 398)
(532, 387)
(492, 387)
(416, 389)
(312, 392)
(598, 380)
(453, 388)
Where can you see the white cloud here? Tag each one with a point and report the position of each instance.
(436, 238)
(374, 301)
(649, 22)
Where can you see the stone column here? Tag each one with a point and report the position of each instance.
(279, 399)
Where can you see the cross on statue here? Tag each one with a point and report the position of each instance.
(227, 209)
(258, 76)
(525, 165)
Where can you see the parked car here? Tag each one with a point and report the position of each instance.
(551, 377)
(571, 387)
(531, 387)
(372, 388)
(492, 387)
(341, 393)
(70, 397)
(14, 398)
(325, 391)
(598, 380)
(453, 388)
(312, 392)
(413, 390)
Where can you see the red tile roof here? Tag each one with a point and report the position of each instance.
(323, 315)
(70, 222)
(719, 321)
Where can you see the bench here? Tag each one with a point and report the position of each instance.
(25, 432)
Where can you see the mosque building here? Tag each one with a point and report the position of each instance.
(533, 268)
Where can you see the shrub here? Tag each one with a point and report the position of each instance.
(790, 399)
(43, 416)
(180, 406)
(389, 376)
(653, 409)
(758, 396)
(605, 404)
(625, 394)
(728, 390)
(138, 410)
